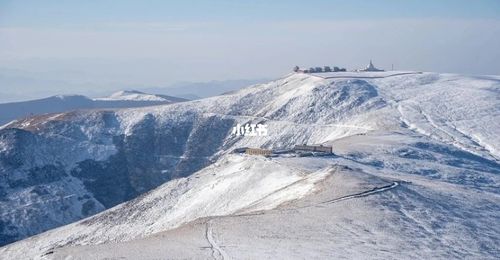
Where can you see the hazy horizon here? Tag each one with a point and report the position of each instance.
(100, 46)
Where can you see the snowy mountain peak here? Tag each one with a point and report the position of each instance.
(66, 97)
(134, 95)
(128, 92)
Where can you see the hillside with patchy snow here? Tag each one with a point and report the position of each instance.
(416, 165)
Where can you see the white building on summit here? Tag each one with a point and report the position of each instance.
(370, 67)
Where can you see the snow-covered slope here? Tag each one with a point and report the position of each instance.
(351, 214)
(64, 103)
(233, 184)
(428, 142)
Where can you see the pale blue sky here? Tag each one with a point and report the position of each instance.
(85, 46)
(55, 13)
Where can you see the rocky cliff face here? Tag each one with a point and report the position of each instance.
(56, 172)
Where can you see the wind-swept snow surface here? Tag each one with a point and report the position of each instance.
(415, 173)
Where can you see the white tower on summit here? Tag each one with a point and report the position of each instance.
(370, 67)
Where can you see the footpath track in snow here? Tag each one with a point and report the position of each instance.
(364, 193)
(287, 122)
(217, 252)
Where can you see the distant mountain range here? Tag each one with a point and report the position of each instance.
(63, 103)
(17, 85)
(197, 90)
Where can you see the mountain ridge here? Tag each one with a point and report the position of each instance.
(64, 103)
(402, 117)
